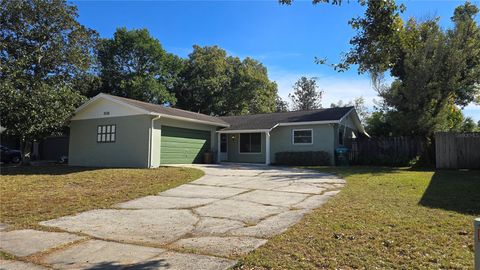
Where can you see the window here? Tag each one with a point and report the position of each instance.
(106, 133)
(302, 136)
(250, 143)
(340, 138)
(223, 143)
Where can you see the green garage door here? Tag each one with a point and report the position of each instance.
(181, 145)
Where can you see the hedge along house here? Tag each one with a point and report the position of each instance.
(111, 131)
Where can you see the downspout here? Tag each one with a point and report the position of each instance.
(150, 142)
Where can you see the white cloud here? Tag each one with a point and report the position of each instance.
(334, 88)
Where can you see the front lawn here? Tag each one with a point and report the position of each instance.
(383, 219)
(32, 194)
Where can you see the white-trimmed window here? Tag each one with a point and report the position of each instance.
(106, 133)
(250, 143)
(302, 136)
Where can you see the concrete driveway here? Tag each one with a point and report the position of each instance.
(206, 224)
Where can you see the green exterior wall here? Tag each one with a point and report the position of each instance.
(323, 140)
(129, 150)
(234, 154)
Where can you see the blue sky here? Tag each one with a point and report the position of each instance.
(284, 38)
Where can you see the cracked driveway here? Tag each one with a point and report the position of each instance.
(206, 224)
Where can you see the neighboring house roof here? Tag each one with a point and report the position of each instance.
(271, 120)
(156, 109)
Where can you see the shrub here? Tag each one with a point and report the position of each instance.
(310, 158)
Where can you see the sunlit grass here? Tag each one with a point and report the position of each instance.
(383, 219)
(32, 194)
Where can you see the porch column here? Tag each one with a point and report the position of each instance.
(267, 148)
(218, 147)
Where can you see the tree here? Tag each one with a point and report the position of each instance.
(251, 91)
(378, 124)
(433, 69)
(358, 103)
(204, 81)
(306, 95)
(133, 64)
(440, 70)
(43, 50)
(469, 125)
(281, 105)
(217, 84)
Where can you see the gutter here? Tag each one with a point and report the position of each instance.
(189, 119)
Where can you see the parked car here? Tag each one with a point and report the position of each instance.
(10, 155)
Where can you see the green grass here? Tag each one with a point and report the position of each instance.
(383, 219)
(32, 194)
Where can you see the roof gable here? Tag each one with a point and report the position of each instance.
(102, 108)
(139, 107)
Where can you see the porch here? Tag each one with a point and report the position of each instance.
(244, 146)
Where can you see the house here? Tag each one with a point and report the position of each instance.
(113, 131)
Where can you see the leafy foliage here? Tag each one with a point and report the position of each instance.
(439, 70)
(434, 69)
(217, 84)
(281, 105)
(43, 50)
(306, 95)
(133, 64)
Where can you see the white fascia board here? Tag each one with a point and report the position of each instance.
(244, 131)
(357, 121)
(101, 95)
(345, 116)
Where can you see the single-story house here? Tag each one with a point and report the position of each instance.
(114, 131)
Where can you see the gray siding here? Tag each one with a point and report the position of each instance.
(348, 129)
(323, 140)
(234, 154)
(129, 150)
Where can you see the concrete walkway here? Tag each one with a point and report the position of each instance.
(206, 224)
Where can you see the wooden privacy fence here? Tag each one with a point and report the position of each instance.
(386, 151)
(457, 150)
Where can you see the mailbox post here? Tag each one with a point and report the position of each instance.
(476, 235)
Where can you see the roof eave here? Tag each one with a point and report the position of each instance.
(190, 119)
(243, 130)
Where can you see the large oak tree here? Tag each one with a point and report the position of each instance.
(42, 50)
(133, 64)
(212, 82)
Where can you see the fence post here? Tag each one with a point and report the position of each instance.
(476, 243)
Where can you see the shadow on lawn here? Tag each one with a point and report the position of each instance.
(455, 191)
(44, 170)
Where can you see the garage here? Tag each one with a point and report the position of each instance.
(183, 146)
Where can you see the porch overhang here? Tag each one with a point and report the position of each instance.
(267, 140)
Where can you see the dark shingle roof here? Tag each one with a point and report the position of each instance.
(155, 108)
(269, 120)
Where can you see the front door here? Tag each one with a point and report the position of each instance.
(223, 147)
